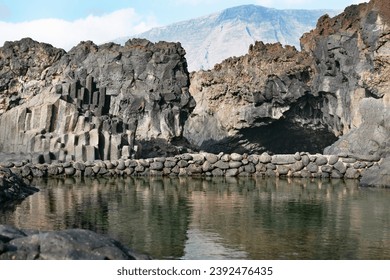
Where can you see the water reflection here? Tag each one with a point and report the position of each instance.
(219, 218)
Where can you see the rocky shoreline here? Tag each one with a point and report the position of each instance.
(299, 165)
(13, 188)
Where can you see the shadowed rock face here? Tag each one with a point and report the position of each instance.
(94, 102)
(338, 86)
(13, 189)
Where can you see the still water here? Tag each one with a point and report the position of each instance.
(220, 218)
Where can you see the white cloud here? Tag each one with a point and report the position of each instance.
(66, 34)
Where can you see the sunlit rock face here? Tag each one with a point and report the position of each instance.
(280, 100)
(352, 55)
(259, 102)
(94, 102)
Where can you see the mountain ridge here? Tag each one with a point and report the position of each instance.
(210, 39)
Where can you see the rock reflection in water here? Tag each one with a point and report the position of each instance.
(218, 218)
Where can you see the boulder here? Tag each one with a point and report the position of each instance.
(211, 158)
(157, 165)
(231, 172)
(283, 159)
(235, 164)
(312, 167)
(333, 159)
(265, 158)
(221, 165)
(236, 157)
(13, 188)
(377, 175)
(71, 244)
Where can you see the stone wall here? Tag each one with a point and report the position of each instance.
(300, 165)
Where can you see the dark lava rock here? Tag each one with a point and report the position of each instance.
(12, 188)
(71, 244)
(119, 97)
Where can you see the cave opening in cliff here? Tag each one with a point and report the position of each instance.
(287, 137)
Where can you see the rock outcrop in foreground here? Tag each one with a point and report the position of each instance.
(70, 244)
(12, 188)
(280, 100)
(94, 102)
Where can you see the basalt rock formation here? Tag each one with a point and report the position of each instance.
(280, 100)
(70, 244)
(113, 102)
(94, 102)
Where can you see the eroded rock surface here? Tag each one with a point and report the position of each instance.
(352, 57)
(378, 175)
(240, 100)
(70, 244)
(93, 102)
(13, 188)
(281, 100)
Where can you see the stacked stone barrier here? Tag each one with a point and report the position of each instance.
(299, 165)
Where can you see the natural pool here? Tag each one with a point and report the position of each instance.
(218, 218)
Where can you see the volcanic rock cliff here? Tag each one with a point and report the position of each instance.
(94, 102)
(280, 100)
(352, 64)
(106, 102)
(259, 102)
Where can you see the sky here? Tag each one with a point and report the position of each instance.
(64, 23)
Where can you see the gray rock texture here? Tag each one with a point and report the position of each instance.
(335, 92)
(352, 54)
(13, 188)
(377, 175)
(243, 103)
(205, 165)
(94, 102)
(71, 244)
